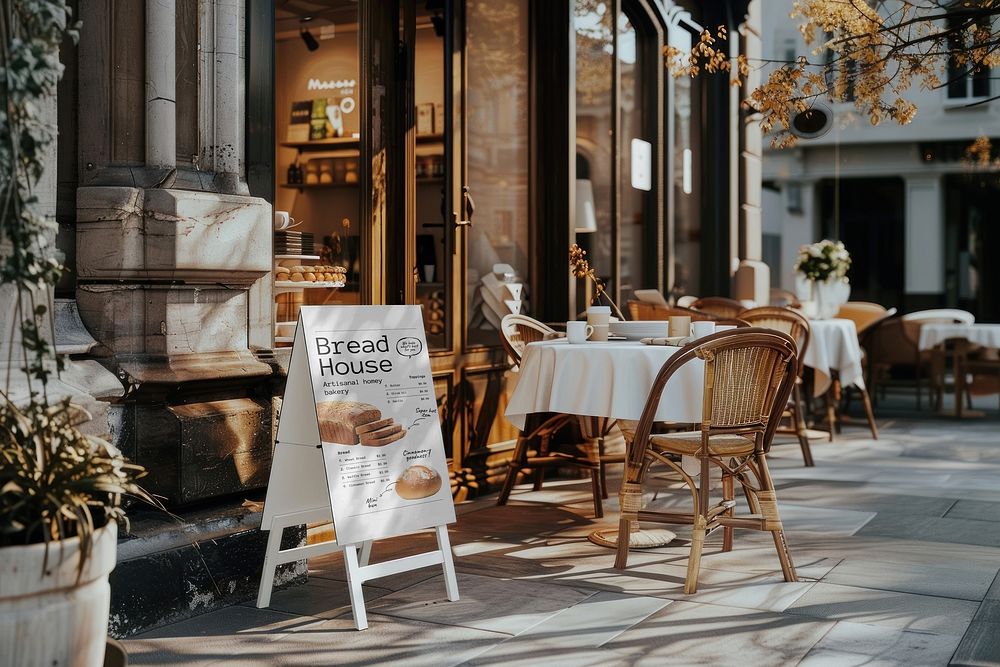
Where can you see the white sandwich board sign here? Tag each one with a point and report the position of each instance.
(359, 443)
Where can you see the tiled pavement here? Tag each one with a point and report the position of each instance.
(896, 541)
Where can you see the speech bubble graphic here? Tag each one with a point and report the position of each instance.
(409, 347)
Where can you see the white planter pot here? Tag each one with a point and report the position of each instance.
(50, 617)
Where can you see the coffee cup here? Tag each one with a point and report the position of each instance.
(702, 329)
(283, 220)
(578, 332)
(599, 315)
(600, 334)
(679, 325)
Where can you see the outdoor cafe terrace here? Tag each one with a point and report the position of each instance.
(896, 542)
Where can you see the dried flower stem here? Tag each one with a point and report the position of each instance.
(581, 268)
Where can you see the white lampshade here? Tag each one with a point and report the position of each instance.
(586, 219)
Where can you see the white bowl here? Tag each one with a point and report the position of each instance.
(639, 330)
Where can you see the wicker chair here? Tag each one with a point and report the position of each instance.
(894, 343)
(749, 375)
(719, 306)
(783, 298)
(867, 317)
(516, 332)
(641, 310)
(790, 322)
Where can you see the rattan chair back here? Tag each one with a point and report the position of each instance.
(785, 320)
(719, 306)
(516, 331)
(783, 297)
(643, 311)
(748, 377)
(865, 315)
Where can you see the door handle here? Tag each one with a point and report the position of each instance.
(468, 208)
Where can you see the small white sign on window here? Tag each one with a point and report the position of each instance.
(642, 165)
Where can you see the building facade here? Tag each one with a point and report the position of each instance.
(906, 200)
(417, 145)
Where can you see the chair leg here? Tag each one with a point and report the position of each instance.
(624, 531)
(866, 399)
(728, 493)
(603, 466)
(772, 519)
(539, 479)
(800, 427)
(595, 482)
(694, 560)
(516, 462)
(831, 415)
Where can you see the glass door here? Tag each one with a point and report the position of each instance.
(466, 196)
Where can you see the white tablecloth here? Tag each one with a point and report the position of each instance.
(603, 380)
(834, 347)
(986, 335)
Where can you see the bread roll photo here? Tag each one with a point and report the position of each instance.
(418, 482)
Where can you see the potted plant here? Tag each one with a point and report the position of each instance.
(60, 490)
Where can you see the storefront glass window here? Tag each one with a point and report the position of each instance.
(594, 26)
(635, 162)
(686, 230)
(432, 254)
(497, 133)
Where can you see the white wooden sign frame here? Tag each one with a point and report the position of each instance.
(300, 489)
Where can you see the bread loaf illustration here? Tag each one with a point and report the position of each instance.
(372, 426)
(417, 482)
(383, 436)
(339, 419)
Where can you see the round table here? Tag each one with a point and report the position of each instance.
(833, 347)
(606, 380)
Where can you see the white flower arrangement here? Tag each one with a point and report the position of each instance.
(823, 261)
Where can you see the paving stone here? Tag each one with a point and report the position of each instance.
(860, 496)
(686, 633)
(487, 603)
(525, 654)
(589, 623)
(322, 598)
(975, 509)
(386, 641)
(989, 612)
(967, 582)
(902, 611)
(961, 531)
(858, 644)
(803, 518)
(980, 646)
(229, 632)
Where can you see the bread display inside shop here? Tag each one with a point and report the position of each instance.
(318, 273)
(418, 482)
(352, 423)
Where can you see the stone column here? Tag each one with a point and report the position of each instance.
(161, 73)
(752, 278)
(171, 277)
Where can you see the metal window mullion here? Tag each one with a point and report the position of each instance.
(616, 270)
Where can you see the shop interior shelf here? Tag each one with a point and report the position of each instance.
(297, 257)
(317, 186)
(337, 143)
(281, 286)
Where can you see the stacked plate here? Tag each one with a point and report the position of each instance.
(639, 330)
(294, 243)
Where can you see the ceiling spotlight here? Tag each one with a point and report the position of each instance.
(311, 43)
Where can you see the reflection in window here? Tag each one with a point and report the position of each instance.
(631, 202)
(594, 78)
(497, 141)
(686, 241)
